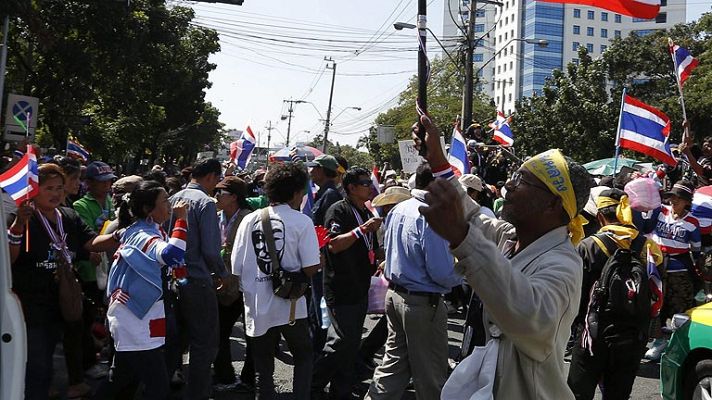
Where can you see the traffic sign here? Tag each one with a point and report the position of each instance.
(20, 117)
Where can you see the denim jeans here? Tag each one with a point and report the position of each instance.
(41, 342)
(299, 342)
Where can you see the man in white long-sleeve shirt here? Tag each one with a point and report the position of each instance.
(526, 270)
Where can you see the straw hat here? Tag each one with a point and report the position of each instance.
(392, 195)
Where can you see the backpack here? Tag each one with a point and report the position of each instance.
(620, 298)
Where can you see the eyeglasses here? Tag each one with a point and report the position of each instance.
(516, 179)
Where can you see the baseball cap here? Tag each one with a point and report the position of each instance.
(471, 181)
(325, 161)
(100, 171)
(233, 185)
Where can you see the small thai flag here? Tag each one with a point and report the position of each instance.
(241, 149)
(375, 179)
(702, 208)
(308, 200)
(22, 181)
(502, 132)
(457, 157)
(656, 285)
(76, 150)
(645, 129)
(684, 62)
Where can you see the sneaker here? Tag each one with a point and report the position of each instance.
(655, 352)
(97, 371)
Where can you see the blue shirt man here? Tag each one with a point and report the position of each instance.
(420, 270)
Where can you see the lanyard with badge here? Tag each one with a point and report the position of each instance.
(367, 237)
(59, 240)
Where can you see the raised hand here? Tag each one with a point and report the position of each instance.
(444, 212)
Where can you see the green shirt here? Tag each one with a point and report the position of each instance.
(94, 215)
(258, 202)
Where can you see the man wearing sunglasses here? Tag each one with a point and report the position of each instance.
(525, 270)
(351, 260)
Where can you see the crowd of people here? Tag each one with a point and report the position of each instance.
(168, 264)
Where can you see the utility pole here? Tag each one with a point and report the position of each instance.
(422, 24)
(269, 134)
(331, 97)
(290, 110)
(469, 85)
(3, 57)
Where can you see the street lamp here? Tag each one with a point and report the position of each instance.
(399, 26)
(538, 42)
(345, 109)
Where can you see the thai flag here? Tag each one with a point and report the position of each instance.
(702, 208)
(502, 132)
(76, 150)
(647, 9)
(22, 181)
(656, 285)
(457, 157)
(375, 179)
(241, 149)
(645, 129)
(684, 62)
(308, 200)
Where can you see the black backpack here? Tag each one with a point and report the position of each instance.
(620, 298)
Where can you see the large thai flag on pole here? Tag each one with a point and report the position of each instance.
(502, 132)
(702, 208)
(684, 62)
(241, 149)
(644, 129)
(634, 8)
(656, 284)
(457, 157)
(22, 181)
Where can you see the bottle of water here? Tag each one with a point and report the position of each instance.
(325, 320)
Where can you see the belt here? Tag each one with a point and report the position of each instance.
(400, 289)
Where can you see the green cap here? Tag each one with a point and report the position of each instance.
(325, 161)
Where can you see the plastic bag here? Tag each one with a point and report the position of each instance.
(643, 193)
(102, 272)
(377, 295)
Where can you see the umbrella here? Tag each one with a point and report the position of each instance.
(305, 153)
(604, 167)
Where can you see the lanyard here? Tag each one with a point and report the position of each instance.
(367, 238)
(226, 228)
(58, 239)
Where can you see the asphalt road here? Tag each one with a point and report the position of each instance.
(646, 384)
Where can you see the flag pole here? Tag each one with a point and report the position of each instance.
(27, 194)
(671, 45)
(618, 134)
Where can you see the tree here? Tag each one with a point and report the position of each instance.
(573, 113)
(444, 105)
(139, 72)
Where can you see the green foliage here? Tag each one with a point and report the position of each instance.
(138, 72)
(355, 157)
(444, 105)
(573, 113)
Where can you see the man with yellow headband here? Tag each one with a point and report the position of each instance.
(610, 354)
(525, 270)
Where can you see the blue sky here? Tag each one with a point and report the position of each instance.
(274, 50)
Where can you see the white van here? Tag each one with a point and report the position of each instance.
(13, 341)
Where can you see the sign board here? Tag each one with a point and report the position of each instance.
(385, 134)
(20, 114)
(410, 159)
(205, 154)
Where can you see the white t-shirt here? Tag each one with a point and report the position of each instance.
(297, 246)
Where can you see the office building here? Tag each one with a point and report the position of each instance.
(512, 68)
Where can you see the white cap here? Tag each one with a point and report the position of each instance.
(471, 181)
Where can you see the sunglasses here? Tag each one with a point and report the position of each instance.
(221, 192)
(516, 179)
(364, 183)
